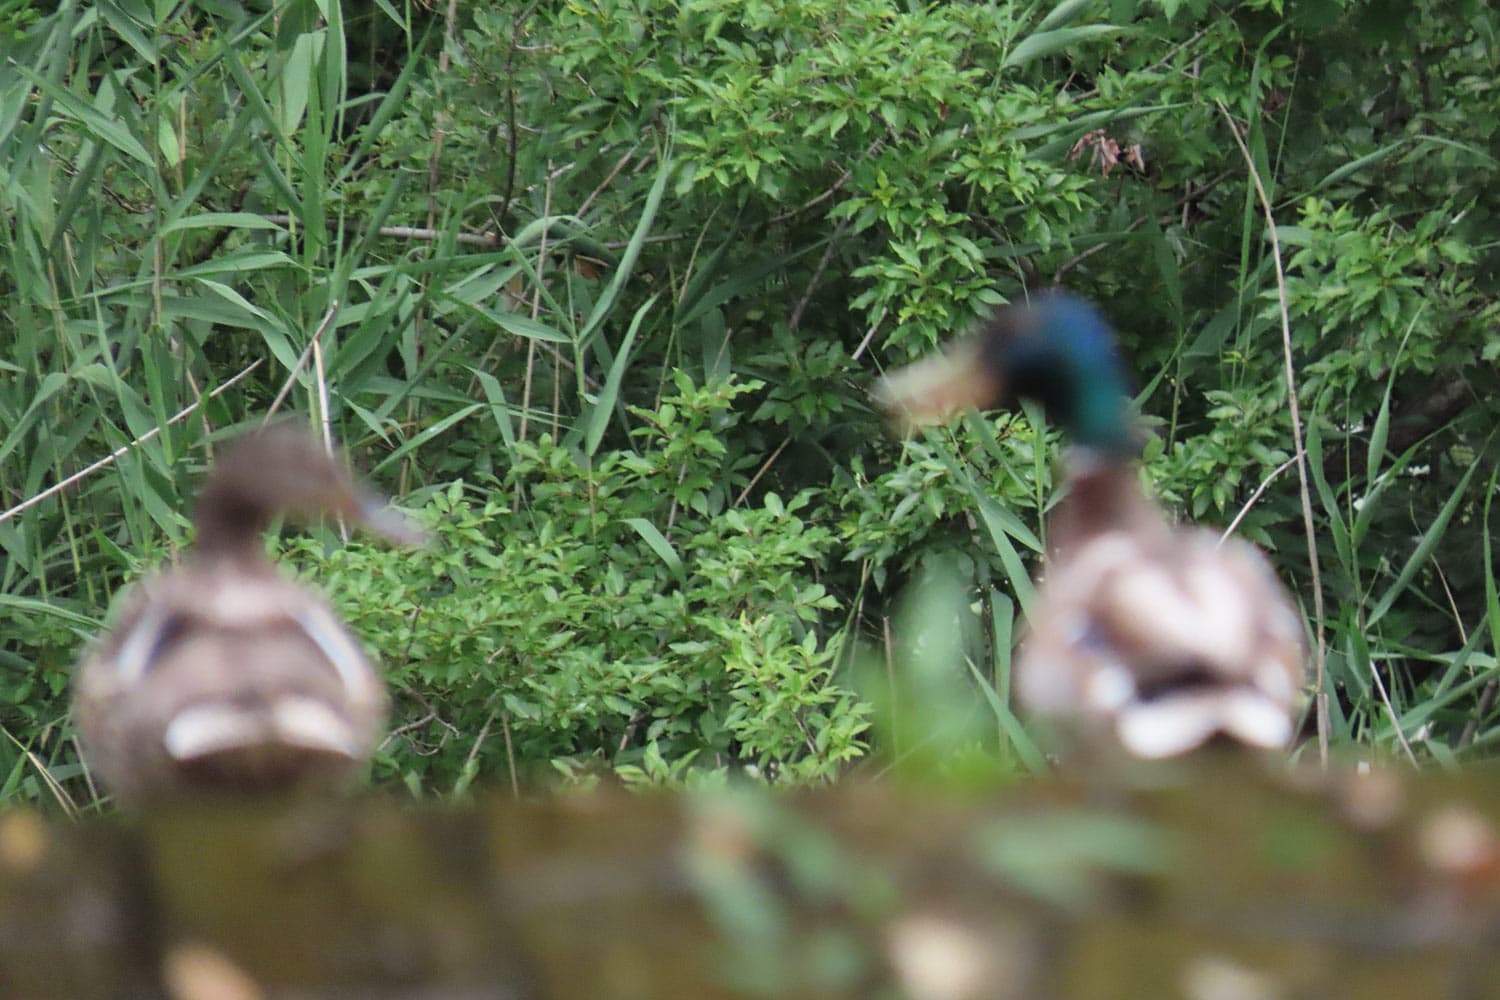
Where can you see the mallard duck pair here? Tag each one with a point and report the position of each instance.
(224, 675)
(1160, 635)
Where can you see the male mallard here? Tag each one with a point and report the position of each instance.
(1160, 633)
(224, 675)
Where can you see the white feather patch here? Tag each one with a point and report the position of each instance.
(208, 729)
(291, 721)
(1104, 555)
(1277, 682)
(1109, 688)
(340, 650)
(1166, 727)
(1254, 719)
(1224, 623)
(234, 602)
(305, 722)
(136, 652)
(1148, 602)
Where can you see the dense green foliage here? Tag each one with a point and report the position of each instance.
(604, 282)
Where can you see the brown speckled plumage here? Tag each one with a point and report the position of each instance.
(223, 675)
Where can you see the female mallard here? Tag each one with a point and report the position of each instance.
(1162, 634)
(222, 674)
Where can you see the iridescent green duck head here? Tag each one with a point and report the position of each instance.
(1058, 350)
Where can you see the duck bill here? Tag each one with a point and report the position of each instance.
(375, 513)
(935, 389)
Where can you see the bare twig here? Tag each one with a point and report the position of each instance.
(1385, 699)
(819, 199)
(1486, 702)
(608, 180)
(113, 456)
(870, 334)
(739, 500)
(429, 717)
(630, 727)
(511, 140)
(661, 238)
(672, 510)
(1079, 258)
(484, 733)
(510, 754)
(286, 387)
(1194, 192)
(536, 303)
(1255, 497)
(888, 645)
(487, 240)
(1164, 60)
(320, 376)
(440, 122)
(409, 727)
(325, 419)
(1321, 690)
(795, 320)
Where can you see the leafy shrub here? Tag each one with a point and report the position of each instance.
(627, 616)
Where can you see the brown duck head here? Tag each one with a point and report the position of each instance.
(281, 469)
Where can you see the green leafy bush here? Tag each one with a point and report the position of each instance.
(627, 616)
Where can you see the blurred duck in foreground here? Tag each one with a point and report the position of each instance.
(223, 675)
(1157, 633)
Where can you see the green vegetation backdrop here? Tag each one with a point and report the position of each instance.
(599, 287)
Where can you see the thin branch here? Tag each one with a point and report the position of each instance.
(286, 387)
(1486, 702)
(1193, 193)
(888, 646)
(795, 321)
(660, 238)
(536, 304)
(608, 179)
(484, 734)
(1321, 690)
(431, 716)
(409, 727)
(488, 240)
(325, 418)
(1255, 497)
(510, 754)
(761, 471)
(1164, 60)
(320, 376)
(1385, 699)
(113, 456)
(869, 334)
(630, 727)
(818, 199)
(440, 124)
(512, 143)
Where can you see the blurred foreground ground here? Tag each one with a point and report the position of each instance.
(1209, 882)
